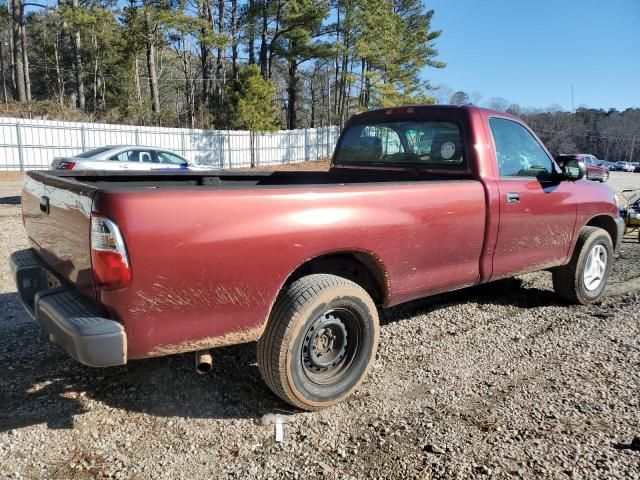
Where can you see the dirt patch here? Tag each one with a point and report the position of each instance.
(11, 176)
(313, 166)
(231, 338)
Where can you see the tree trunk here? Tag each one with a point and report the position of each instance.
(220, 53)
(252, 148)
(151, 64)
(17, 19)
(205, 57)
(138, 87)
(25, 58)
(77, 60)
(59, 78)
(292, 91)
(263, 39)
(361, 97)
(343, 92)
(271, 48)
(234, 42)
(251, 33)
(153, 80)
(94, 40)
(336, 67)
(189, 92)
(4, 79)
(312, 91)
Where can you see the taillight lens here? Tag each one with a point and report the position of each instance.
(66, 165)
(111, 269)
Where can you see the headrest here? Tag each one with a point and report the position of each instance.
(371, 147)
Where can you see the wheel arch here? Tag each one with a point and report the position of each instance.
(608, 224)
(361, 267)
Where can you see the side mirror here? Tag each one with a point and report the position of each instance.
(574, 170)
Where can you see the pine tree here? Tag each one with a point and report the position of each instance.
(253, 104)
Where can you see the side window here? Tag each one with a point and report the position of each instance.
(126, 156)
(166, 157)
(144, 156)
(518, 152)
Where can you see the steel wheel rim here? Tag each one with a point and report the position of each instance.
(595, 268)
(330, 345)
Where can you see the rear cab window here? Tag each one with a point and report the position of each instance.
(428, 143)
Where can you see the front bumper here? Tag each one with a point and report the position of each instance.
(69, 318)
(620, 226)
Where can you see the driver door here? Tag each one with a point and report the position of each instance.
(537, 211)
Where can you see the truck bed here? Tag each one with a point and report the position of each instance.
(210, 251)
(106, 180)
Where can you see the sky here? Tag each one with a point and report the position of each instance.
(531, 51)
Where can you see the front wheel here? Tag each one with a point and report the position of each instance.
(320, 341)
(584, 278)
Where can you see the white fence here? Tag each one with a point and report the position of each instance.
(31, 144)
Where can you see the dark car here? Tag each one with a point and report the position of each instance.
(596, 169)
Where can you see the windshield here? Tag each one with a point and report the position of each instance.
(429, 143)
(92, 153)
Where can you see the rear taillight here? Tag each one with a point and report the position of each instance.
(66, 165)
(111, 269)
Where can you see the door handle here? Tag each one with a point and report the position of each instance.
(513, 197)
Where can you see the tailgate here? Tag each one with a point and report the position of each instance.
(57, 217)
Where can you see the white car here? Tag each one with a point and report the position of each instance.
(626, 166)
(126, 157)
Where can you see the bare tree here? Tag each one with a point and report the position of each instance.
(460, 98)
(498, 103)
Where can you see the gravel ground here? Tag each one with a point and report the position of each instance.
(493, 381)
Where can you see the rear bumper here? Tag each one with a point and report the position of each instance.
(69, 318)
(620, 226)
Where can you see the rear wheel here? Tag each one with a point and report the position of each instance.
(584, 278)
(320, 341)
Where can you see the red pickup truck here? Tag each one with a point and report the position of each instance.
(419, 200)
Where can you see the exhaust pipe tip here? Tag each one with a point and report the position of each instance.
(204, 362)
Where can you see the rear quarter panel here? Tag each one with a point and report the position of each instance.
(208, 264)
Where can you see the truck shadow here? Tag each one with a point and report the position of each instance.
(12, 200)
(510, 291)
(40, 383)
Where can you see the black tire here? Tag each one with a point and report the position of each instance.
(320, 341)
(569, 280)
